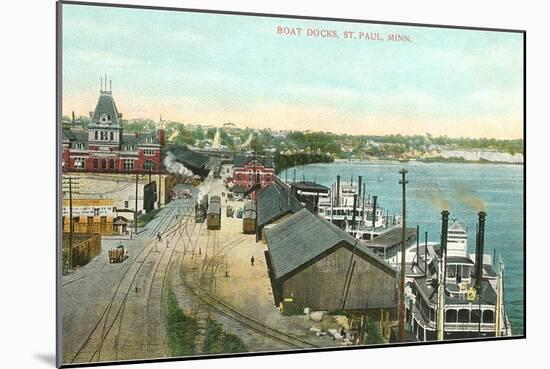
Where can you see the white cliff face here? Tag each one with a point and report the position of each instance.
(476, 155)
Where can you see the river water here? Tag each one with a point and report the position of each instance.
(463, 189)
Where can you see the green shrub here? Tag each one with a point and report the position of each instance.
(219, 342)
(181, 329)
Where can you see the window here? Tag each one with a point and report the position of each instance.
(112, 136)
(112, 164)
(148, 165)
(149, 152)
(450, 316)
(488, 316)
(126, 204)
(96, 212)
(103, 220)
(95, 135)
(80, 163)
(128, 164)
(103, 164)
(90, 221)
(96, 163)
(463, 316)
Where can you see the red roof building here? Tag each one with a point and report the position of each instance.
(251, 170)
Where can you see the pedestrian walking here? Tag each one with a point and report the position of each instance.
(252, 260)
(159, 237)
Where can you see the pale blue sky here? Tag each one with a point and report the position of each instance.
(211, 68)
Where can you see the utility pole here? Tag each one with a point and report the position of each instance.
(160, 179)
(136, 205)
(71, 224)
(403, 181)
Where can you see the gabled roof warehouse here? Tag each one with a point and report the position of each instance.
(275, 201)
(309, 259)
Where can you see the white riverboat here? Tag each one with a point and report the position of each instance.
(343, 200)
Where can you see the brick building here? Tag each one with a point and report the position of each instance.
(252, 170)
(103, 147)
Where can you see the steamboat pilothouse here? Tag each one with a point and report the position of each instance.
(452, 294)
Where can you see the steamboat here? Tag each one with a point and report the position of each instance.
(452, 294)
(349, 207)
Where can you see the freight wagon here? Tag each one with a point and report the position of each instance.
(249, 218)
(214, 213)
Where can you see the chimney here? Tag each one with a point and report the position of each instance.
(160, 134)
(338, 190)
(480, 240)
(374, 211)
(73, 117)
(354, 211)
(359, 184)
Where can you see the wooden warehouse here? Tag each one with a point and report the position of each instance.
(275, 203)
(309, 260)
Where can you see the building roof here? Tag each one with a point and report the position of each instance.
(274, 202)
(392, 237)
(310, 186)
(77, 134)
(106, 106)
(238, 189)
(303, 237)
(456, 226)
(139, 138)
(459, 260)
(267, 161)
(188, 157)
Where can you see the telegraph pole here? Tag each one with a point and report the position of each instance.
(71, 225)
(136, 205)
(160, 179)
(403, 181)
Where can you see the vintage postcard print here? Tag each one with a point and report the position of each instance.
(240, 183)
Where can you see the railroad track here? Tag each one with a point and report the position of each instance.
(91, 348)
(154, 331)
(206, 299)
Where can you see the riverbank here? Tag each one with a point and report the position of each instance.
(427, 160)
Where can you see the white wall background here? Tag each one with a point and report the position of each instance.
(27, 257)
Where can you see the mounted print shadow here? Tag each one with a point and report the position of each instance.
(241, 184)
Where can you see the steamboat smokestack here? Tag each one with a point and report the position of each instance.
(359, 184)
(444, 230)
(442, 277)
(374, 211)
(479, 250)
(338, 190)
(354, 211)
